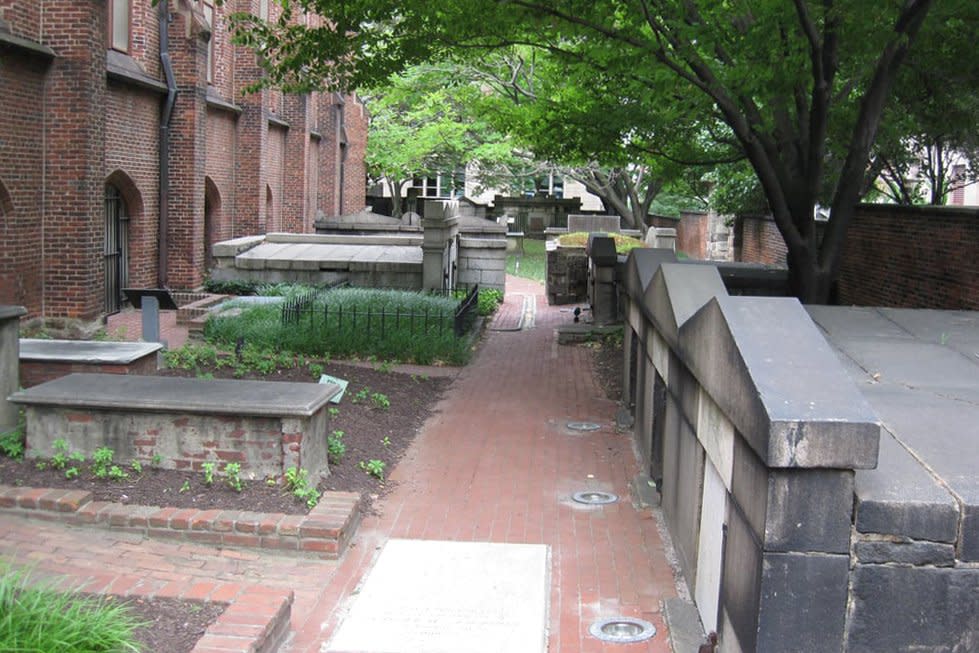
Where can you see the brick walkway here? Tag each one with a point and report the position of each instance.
(496, 464)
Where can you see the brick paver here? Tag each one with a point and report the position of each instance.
(496, 464)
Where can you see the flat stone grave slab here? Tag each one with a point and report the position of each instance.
(85, 351)
(450, 597)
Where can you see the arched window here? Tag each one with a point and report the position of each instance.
(116, 248)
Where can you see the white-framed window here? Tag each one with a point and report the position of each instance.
(443, 185)
(120, 25)
(550, 184)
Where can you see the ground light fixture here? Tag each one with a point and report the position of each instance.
(584, 427)
(622, 630)
(594, 498)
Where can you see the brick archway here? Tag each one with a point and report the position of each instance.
(122, 226)
(213, 221)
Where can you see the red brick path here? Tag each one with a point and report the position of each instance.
(497, 463)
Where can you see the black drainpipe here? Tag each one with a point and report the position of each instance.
(164, 17)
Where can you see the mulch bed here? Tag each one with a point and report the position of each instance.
(370, 432)
(608, 362)
(172, 625)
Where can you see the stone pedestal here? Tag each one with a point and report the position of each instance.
(9, 362)
(439, 229)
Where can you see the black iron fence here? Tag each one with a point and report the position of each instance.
(301, 310)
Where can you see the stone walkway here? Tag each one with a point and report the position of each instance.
(497, 463)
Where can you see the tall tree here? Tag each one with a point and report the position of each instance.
(800, 85)
(422, 125)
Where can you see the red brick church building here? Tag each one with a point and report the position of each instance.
(128, 147)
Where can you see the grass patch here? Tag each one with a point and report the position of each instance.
(530, 264)
(351, 322)
(35, 617)
(623, 244)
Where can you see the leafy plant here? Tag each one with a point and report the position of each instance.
(136, 466)
(489, 300)
(386, 442)
(374, 467)
(333, 411)
(185, 487)
(380, 400)
(208, 469)
(335, 447)
(385, 366)
(156, 460)
(101, 462)
(315, 370)
(297, 482)
(361, 395)
(117, 473)
(12, 444)
(34, 616)
(71, 472)
(61, 450)
(232, 476)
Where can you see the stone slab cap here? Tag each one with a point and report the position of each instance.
(776, 378)
(601, 249)
(343, 239)
(176, 394)
(938, 428)
(236, 246)
(641, 266)
(86, 351)
(676, 292)
(9, 312)
(483, 243)
(901, 498)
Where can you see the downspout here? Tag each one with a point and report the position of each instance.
(167, 114)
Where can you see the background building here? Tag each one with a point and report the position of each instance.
(128, 146)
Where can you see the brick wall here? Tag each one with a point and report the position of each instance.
(355, 170)
(98, 131)
(760, 241)
(132, 148)
(21, 171)
(73, 222)
(911, 257)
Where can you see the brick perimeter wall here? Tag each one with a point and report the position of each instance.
(896, 256)
(761, 241)
(911, 257)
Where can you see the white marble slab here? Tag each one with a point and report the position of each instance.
(452, 597)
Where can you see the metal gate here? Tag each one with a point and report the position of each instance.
(116, 249)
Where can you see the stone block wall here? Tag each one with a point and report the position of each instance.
(753, 432)
(566, 274)
(482, 261)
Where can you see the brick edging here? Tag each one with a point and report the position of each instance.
(325, 531)
(257, 619)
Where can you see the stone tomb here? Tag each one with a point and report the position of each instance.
(265, 426)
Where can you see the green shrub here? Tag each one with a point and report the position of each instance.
(401, 325)
(35, 617)
(234, 287)
(489, 300)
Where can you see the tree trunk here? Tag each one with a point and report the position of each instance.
(394, 186)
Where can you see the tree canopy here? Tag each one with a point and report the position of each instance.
(798, 87)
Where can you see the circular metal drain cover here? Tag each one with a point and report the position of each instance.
(622, 630)
(594, 498)
(584, 426)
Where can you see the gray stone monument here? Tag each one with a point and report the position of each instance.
(9, 363)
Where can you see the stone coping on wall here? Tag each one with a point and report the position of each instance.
(919, 370)
(324, 532)
(765, 363)
(177, 394)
